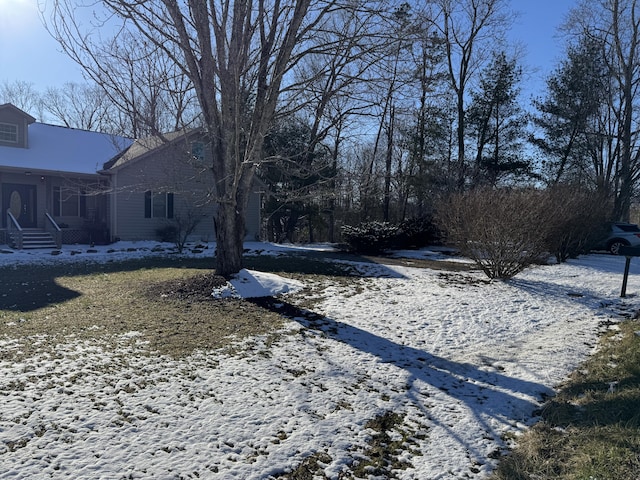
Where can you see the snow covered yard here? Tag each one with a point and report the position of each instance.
(460, 360)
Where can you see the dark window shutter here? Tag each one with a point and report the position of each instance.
(147, 204)
(169, 205)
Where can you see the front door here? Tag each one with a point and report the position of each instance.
(21, 201)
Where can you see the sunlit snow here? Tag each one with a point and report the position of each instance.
(251, 284)
(463, 360)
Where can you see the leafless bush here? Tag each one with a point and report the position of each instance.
(502, 231)
(178, 229)
(576, 220)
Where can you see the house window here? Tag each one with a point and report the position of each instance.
(8, 133)
(69, 202)
(197, 151)
(158, 204)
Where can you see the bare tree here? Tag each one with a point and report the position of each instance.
(392, 100)
(23, 95)
(623, 52)
(469, 29)
(78, 105)
(238, 56)
(616, 25)
(330, 90)
(425, 135)
(145, 91)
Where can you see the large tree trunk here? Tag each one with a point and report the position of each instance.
(230, 232)
(233, 191)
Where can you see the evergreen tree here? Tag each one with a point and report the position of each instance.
(298, 178)
(497, 123)
(569, 116)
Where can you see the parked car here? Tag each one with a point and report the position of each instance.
(621, 234)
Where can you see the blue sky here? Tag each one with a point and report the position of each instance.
(536, 29)
(28, 53)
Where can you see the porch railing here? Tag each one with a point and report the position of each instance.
(52, 227)
(14, 230)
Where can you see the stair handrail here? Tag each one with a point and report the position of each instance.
(13, 225)
(50, 223)
(12, 222)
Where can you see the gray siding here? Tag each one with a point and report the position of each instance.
(129, 206)
(14, 117)
(170, 168)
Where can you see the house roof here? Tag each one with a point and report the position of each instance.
(62, 149)
(143, 146)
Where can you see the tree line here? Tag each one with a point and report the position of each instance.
(355, 111)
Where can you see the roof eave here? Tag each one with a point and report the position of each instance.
(42, 172)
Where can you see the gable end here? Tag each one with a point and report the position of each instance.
(14, 124)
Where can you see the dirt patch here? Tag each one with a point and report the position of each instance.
(426, 263)
(198, 288)
(461, 280)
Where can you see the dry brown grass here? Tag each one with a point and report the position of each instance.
(167, 300)
(164, 301)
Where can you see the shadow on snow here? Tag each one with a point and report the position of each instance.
(493, 398)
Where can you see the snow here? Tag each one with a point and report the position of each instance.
(252, 284)
(464, 360)
(62, 149)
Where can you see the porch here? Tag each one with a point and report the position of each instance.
(53, 237)
(74, 211)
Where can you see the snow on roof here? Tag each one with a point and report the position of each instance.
(63, 149)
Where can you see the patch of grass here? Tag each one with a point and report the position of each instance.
(333, 263)
(387, 442)
(309, 469)
(591, 429)
(107, 300)
(385, 446)
(167, 299)
(307, 264)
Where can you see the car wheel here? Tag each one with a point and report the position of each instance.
(614, 247)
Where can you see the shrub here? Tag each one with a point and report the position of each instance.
(369, 238)
(416, 232)
(96, 233)
(576, 220)
(502, 231)
(168, 233)
(178, 231)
